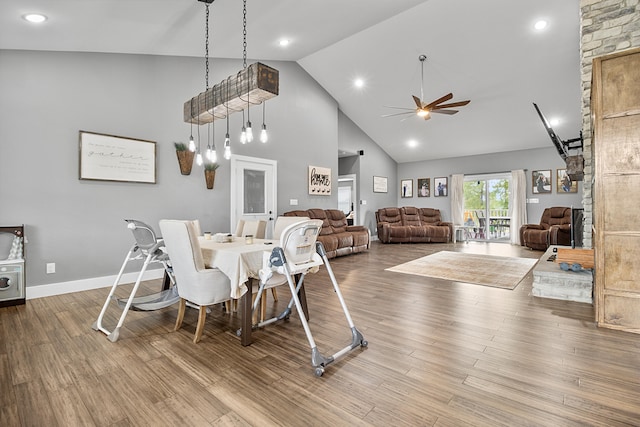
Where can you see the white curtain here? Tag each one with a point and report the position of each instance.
(457, 199)
(517, 204)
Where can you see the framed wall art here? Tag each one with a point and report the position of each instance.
(116, 158)
(424, 187)
(564, 184)
(319, 180)
(406, 188)
(379, 184)
(440, 187)
(541, 181)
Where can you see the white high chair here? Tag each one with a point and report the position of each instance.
(300, 253)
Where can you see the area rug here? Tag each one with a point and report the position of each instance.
(487, 270)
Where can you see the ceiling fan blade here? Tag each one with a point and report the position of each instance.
(417, 101)
(453, 104)
(444, 111)
(438, 101)
(400, 108)
(398, 114)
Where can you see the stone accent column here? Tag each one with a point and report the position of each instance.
(606, 26)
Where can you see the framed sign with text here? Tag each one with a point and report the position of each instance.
(116, 158)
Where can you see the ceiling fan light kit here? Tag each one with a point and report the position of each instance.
(423, 109)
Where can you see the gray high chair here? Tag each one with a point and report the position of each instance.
(149, 248)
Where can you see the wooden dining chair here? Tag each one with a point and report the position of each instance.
(198, 285)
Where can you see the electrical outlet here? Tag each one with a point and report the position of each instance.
(51, 267)
(533, 201)
(293, 202)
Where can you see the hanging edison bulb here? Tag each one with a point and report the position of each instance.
(263, 133)
(227, 147)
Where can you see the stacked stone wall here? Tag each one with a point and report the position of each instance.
(606, 26)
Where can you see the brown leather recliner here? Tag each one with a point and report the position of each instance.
(337, 237)
(412, 225)
(554, 229)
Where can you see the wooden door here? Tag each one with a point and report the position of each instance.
(615, 103)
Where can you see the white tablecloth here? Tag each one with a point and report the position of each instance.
(237, 260)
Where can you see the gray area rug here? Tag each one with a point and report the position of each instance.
(487, 270)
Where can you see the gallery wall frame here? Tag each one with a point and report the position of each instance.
(406, 188)
(424, 187)
(116, 158)
(379, 184)
(440, 186)
(564, 184)
(541, 181)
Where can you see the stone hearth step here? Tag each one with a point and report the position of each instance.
(549, 281)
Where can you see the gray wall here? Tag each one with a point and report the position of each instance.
(375, 161)
(47, 97)
(535, 159)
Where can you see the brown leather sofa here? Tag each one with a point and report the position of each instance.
(554, 229)
(412, 225)
(337, 237)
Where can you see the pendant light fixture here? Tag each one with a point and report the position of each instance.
(210, 154)
(263, 133)
(198, 154)
(192, 143)
(247, 134)
(217, 102)
(227, 141)
(243, 133)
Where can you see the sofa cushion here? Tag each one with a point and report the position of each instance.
(390, 215)
(337, 220)
(321, 214)
(410, 216)
(429, 215)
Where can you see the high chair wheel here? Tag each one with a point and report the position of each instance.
(319, 372)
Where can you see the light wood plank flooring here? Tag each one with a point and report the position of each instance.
(440, 354)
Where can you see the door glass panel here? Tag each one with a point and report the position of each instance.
(344, 199)
(486, 208)
(499, 221)
(475, 202)
(254, 192)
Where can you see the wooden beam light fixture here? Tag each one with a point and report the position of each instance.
(251, 86)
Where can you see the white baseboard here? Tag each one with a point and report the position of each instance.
(51, 289)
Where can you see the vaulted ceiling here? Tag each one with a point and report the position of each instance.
(486, 51)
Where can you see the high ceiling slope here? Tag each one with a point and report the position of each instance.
(486, 51)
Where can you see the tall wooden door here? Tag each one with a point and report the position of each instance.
(615, 104)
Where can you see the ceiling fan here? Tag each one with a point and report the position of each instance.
(424, 110)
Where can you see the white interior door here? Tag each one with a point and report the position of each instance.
(347, 196)
(253, 190)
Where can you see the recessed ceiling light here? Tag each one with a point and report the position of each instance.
(35, 18)
(541, 24)
(358, 82)
(412, 143)
(554, 122)
(284, 42)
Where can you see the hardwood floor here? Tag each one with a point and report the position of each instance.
(439, 354)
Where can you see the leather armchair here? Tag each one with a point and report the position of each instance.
(554, 229)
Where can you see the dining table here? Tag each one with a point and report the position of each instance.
(241, 261)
